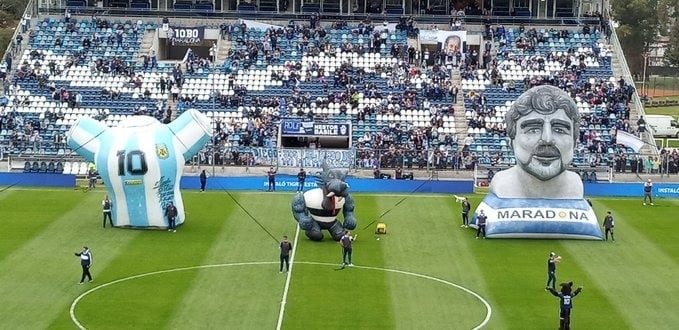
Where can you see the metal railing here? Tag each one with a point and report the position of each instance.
(28, 12)
(617, 48)
(484, 174)
(368, 158)
(326, 16)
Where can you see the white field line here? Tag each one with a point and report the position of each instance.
(489, 310)
(284, 300)
(81, 296)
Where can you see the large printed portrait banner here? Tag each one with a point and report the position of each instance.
(186, 35)
(438, 37)
(451, 41)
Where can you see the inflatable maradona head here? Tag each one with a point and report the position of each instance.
(141, 161)
(539, 197)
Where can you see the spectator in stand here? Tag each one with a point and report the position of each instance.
(641, 126)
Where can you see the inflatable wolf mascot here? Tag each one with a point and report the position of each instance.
(317, 209)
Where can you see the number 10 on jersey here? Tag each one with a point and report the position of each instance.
(134, 162)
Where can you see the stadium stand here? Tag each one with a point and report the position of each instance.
(405, 112)
(578, 61)
(72, 69)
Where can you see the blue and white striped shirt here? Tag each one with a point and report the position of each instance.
(141, 161)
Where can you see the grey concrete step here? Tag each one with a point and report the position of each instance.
(223, 50)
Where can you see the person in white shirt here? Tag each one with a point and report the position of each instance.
(648, 192)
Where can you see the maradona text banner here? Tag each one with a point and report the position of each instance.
(538, 218)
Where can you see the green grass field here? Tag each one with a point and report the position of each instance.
(220, 270)
(672, 111)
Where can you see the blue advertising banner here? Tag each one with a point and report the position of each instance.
(662, 190)
(37, 180)
(186, 35)
(294, 127)
(289, 183)
(667, 190)
(332, 130)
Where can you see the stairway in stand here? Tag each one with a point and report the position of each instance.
(224, 46)
(146, 45)
(648, 150)
(459, 113)
(172, 105)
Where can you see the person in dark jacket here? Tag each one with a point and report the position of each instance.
(203, 180)
(85, 262)
(171, 213)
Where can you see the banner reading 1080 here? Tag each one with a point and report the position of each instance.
(187, 35)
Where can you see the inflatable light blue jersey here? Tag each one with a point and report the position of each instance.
(141, 161)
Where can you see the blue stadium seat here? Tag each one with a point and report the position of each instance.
(183, 5)
(59, 169)
(140, 5)
(76, 3)
(247, 7)
(311, 8)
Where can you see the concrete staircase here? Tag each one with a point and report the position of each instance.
(459, 114)
(223, 48)
(16, 54)
(147, 43)
(649, 149)
(460, 121)
(414, 42)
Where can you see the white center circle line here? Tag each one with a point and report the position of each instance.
(489, 310)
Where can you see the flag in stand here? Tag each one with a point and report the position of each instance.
(629, 140)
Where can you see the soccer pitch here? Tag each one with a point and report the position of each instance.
(220, 270)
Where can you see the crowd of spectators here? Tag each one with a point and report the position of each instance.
(347, 86)
(391, 145)
(608, 99)
(28, 131)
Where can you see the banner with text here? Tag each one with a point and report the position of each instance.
(538, 218)
(308, 158)
(290, 183)
(186, 35)
(294, 127)
(314, 158)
